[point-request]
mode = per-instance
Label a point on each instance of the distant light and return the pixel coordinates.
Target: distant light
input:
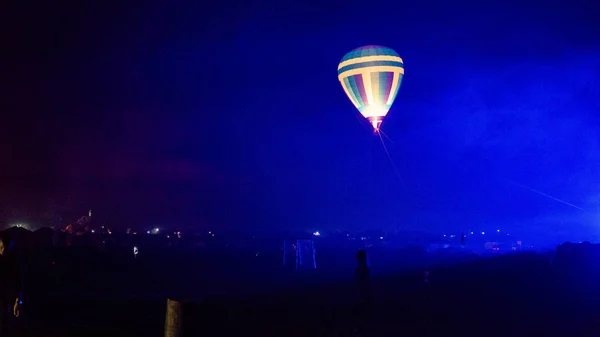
(147, 232)
(452, 235)
(381, 238)
(482, 233)
(155, 231)
(444, 235)
(317, 234)
(93, 231)
(135, 251)
(209, 232)
(213, 234)
(498, 230)
(471, 233)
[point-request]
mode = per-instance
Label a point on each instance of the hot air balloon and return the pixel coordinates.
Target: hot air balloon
(371, 77)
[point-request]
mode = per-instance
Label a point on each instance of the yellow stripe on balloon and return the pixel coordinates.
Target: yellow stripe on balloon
(394, 87)
(389, 69)
(374, 77)
(369, 59)
(366, 77)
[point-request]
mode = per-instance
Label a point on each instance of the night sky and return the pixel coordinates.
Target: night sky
(231, 115)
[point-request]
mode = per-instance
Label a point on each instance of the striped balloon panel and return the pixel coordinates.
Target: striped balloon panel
(371, 77)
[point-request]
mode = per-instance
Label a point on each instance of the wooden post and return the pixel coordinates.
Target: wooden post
(174, 318)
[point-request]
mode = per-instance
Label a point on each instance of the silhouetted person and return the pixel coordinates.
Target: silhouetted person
(362, 277)
(9, 286)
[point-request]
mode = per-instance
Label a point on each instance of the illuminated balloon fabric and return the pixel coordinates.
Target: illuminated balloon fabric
(371, 77)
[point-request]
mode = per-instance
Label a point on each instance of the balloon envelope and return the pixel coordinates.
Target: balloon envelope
(371, 77)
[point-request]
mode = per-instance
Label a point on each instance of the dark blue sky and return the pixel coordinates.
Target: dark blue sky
(232, 115)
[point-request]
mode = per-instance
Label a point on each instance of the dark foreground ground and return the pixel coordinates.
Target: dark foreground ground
(506, 296)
